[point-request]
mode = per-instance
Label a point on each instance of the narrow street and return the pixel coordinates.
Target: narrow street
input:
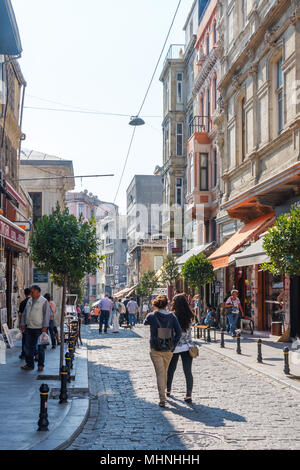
(233, 407)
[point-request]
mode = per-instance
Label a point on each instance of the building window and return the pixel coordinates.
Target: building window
(167, 95)
(179, 88)
(215, 32)
(179, 194)
(167, 191)
(207, 230)
(207, 43)
(158, 262)
(208, 109)
(215, 92)
(243, 12)
(87, 212)
(214, 229)
(179, 138)
(215, 165)
(37, 199)
(204, 171)
(192, 172)
(80, 210)
(243, 124)
(279, 93)
(167, 142)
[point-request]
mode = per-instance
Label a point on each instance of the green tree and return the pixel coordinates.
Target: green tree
(169, 271)
(149, 282)
(66, 248)
(198, 271)
(282, 245)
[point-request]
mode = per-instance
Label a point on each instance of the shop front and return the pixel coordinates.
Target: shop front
(236, 270)
(13, 247)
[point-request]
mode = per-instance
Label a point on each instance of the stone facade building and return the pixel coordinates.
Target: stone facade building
(15, 204)
(259, 142)
(177, 77)
(42, 176)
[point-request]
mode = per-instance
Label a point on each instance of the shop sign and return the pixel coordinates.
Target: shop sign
(12, 232)
(40, 278)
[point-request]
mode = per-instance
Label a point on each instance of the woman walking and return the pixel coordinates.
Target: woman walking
(165, 333)
(181, 309)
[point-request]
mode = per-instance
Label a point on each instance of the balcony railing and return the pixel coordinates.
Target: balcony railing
(200, 124)
(176, 51)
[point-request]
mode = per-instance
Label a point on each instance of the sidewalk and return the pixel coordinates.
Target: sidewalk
(272, 353)
(20, 403)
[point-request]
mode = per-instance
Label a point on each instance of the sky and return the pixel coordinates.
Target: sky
(97, 55)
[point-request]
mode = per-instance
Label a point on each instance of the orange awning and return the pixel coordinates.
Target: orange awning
(220, 258)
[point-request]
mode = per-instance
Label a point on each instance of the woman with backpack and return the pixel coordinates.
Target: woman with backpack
(181, 309)
(165, 332)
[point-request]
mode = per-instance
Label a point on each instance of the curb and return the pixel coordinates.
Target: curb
(249, 367)
(79, 409)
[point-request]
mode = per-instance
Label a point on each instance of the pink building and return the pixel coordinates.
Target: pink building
(203, 156)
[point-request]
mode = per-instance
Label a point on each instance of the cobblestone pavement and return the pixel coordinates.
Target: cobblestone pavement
(233, 408)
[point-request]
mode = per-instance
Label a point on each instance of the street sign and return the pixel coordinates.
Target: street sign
(40, 278)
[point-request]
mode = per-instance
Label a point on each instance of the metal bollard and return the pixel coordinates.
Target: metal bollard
(70, 351)
(208, 336)
(286, 352)
(222, 338)
(43, 421)
(238, 342)
(259, 354)
(63, 397)
(68, 365)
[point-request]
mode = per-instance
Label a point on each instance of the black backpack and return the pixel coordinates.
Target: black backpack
(164, 341)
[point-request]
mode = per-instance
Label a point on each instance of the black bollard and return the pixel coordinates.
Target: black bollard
(43, 421)
(238, 343)
(63, 397)
(70, 351)
(68, 365)
(222, 338)
(259, 354)
(208, 335)
(286, 352)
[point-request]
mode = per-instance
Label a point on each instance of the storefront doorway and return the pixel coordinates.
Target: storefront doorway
(269, 309)
(295, 307)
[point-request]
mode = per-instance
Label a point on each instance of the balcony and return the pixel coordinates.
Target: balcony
(176, 51)
(199, 129)
(200, 125)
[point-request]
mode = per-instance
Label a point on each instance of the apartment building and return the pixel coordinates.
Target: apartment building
(259, 143)
(177, 77)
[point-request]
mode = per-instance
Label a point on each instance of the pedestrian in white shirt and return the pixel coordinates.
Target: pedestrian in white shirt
(132, 308)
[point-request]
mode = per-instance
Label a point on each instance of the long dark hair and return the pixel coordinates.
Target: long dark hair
(182, 311)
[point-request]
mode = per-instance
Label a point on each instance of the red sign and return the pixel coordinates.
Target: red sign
(12, 232)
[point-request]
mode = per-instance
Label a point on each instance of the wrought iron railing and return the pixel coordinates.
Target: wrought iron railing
(200, 124)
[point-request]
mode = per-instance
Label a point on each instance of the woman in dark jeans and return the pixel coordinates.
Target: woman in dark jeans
(181, 309)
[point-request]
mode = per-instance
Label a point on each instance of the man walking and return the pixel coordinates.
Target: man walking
(133, 309)
(21, 311)
(106, 307)
(35, 321)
